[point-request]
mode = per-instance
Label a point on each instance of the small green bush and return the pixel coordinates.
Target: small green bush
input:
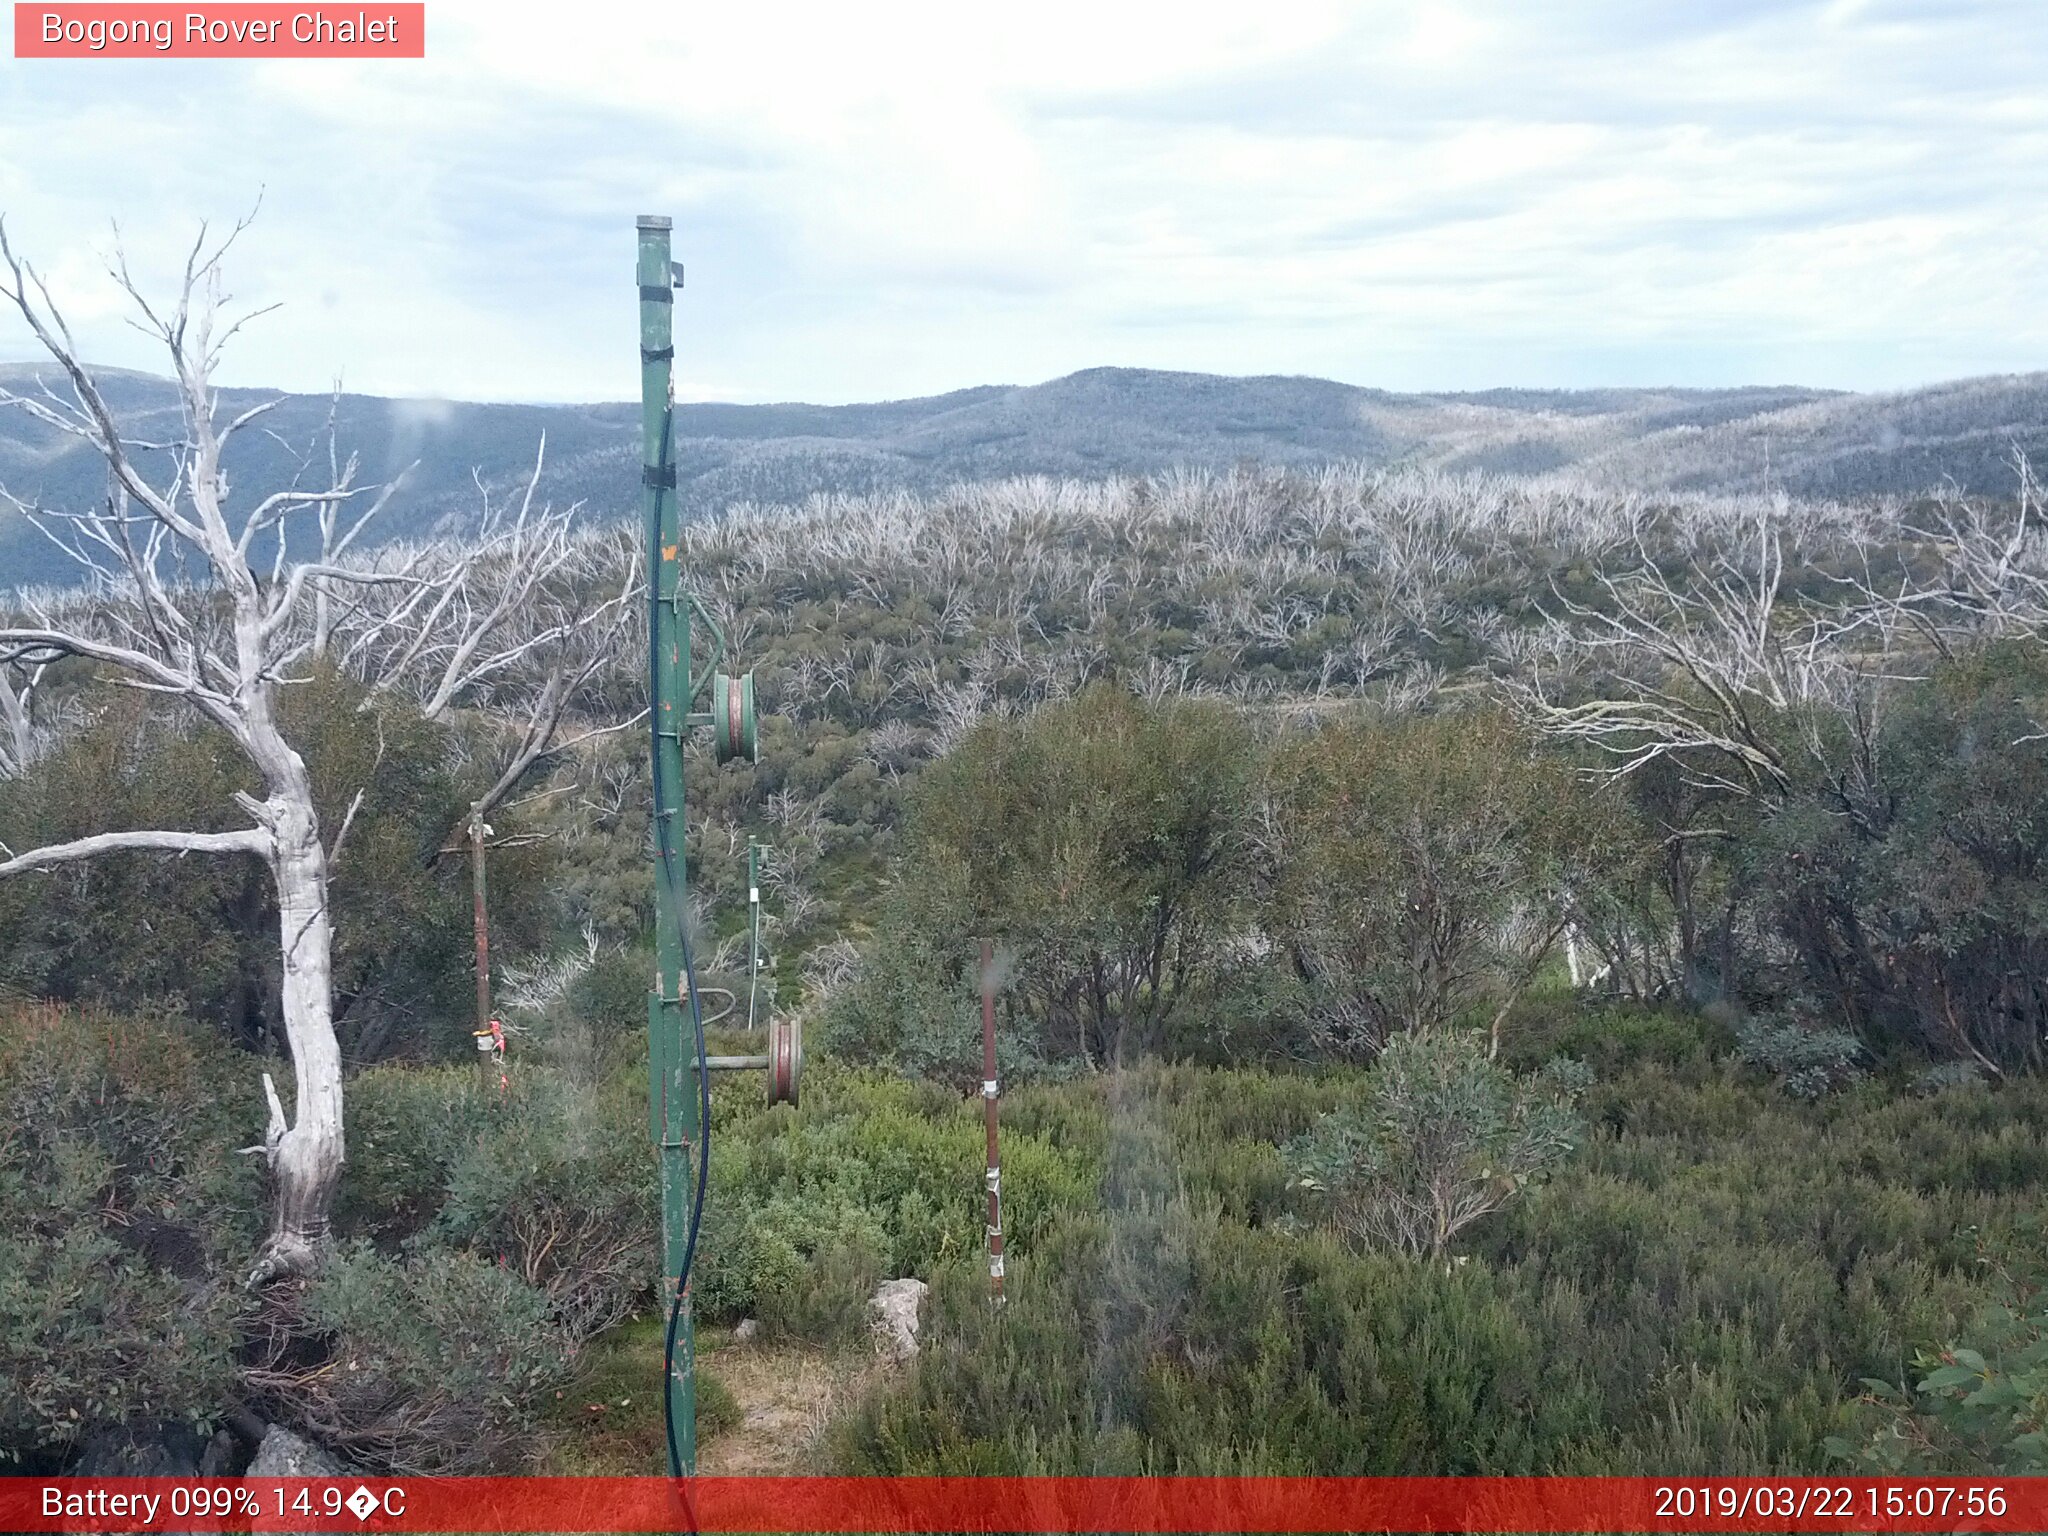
(559, 1184)
(1442, 1137)
(1609, 1036)
(553, 1178)
(437, 1364)
(407, 1128)
(1942, 1076)
(1698, 1289)
(125, 1223)
(872, 1178)
(1808, 1062)
(611, 996)
(1980, 1405)
(717, 1409)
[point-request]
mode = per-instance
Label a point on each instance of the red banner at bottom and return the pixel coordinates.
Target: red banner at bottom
(1022, 1504)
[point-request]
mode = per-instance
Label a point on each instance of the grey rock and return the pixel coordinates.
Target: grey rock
(895, 1307)
(284, 1454)
(746, 1330)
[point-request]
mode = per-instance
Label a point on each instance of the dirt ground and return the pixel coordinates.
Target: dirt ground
(788, 1398)
(610, 1422)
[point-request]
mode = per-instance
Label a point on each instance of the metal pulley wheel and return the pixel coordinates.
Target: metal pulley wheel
(735, 732)
(785, 1059)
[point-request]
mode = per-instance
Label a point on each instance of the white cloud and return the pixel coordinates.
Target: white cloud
(877, 201)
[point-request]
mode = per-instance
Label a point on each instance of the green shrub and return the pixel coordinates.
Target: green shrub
(826, 1302)
(1906, 879)
(1608, 1035)
(913, 1007)
(125, 1223)
(872, 1178)
(1442, 1137)
(1425, 866)
(610, 997)
(1697, 1290)
(1103, 838)
(408, 1126)
(717, 1409)
(558, 1183)
(1980, 1405)
(554, 1178)
(439, 1363)
(1167, 1341)
(1808, 1062)
(1941, 1076)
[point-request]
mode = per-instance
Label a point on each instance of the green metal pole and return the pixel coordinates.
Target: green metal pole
(671, 1044)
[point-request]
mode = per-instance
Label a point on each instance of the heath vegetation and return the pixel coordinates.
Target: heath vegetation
(1496, 975)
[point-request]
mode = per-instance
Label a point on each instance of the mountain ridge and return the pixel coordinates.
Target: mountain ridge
(1095, 423)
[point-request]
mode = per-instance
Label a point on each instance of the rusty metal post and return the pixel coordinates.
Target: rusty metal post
(483, 948)
(989, 1091)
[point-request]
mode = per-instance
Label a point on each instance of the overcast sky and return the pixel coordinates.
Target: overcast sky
(883, 200)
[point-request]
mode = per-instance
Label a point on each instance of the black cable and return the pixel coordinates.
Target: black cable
(674, 889)
(675, 1306)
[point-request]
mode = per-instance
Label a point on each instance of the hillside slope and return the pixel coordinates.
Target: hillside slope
(1098, 423)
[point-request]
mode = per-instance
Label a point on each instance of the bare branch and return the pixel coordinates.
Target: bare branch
(341, 838)
(252, 840)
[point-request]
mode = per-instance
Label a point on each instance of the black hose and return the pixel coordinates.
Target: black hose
(675, 1305)
(674, 889)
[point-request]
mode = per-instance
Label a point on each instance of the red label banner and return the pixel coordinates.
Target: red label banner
(1021, 1504)
(234, 31)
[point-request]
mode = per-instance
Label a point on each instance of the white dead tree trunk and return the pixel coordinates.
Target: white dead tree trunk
(18, 735)
(222, 645)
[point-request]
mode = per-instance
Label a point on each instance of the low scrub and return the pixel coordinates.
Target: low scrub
(124, 1221)
(871, 1178)
(437, 1364)
(1978, 1404)
(1702, 1286)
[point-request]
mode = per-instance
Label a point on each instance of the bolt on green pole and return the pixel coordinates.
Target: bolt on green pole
(672, 1058)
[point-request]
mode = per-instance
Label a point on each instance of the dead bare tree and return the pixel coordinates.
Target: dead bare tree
(1708, 669)
(221, 646)
(1994, 571)
(524, 615)
(182, 607)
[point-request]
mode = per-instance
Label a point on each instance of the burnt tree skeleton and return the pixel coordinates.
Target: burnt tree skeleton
(225, 642)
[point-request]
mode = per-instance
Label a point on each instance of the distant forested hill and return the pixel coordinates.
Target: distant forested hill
(1101, 422)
